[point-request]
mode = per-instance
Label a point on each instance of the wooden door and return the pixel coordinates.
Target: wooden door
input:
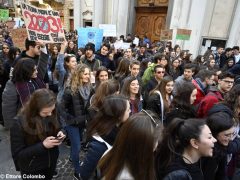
(150, 20)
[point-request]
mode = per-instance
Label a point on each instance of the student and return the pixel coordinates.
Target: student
(132, 155)
(187, 76)
(36, 135)
(103, 131)
(160, 98)
(105, 89)
(183, 143)
(182, 103)
(222, 128)
(101, 76)
(131, 90)
(216, 94)
(75, 104)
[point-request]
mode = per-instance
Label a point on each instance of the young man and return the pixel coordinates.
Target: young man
(216, 94)
(159, 72)
(187, 76)
(204, 79)
(159, 59)
(89, 58)
(103, 57)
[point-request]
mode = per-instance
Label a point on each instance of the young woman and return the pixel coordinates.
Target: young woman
(132, 155)
(183, 143)
(75, 104)
(27, 78)
(131, 90)
(101, 75)
(71, 49)
(35, 137)
(222, 127)
(123, 70)
(105, 89)
(65, 66)
(229, 64)
(53, 82)
(182, 103)
(174, 69)
(160, 98)
(103, 131)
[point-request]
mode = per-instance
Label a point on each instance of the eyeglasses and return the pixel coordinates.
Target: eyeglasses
(229, 82)
(153, 121)
(160, 72)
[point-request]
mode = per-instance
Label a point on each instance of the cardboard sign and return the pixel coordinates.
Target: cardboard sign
(166, 35)
(121, 45)
(18, 37)
(4, 14)
(109, 30)
(42, 24)
(93, 35)
(183, 34)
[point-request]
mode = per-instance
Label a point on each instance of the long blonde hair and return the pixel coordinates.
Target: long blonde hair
(76, 78)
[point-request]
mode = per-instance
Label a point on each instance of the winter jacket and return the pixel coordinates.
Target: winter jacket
(213, 97)
(106, 62)
(30, 157)
(93, 64)
(10, 98)
(75, 112)
(179, 169)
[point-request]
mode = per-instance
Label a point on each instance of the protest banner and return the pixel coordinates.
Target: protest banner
(18, 37)
(183, 34)
(109, 30)
(42, 24)
(4, 14)
(166, 35)
(93, 35)
(121, 45)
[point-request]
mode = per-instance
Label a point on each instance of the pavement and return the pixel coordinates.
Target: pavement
(7, 168)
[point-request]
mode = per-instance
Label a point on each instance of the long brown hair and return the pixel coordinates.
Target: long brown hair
(33, 123)
(106, 88)
(162, 88)
(109, 115)
(133, 148)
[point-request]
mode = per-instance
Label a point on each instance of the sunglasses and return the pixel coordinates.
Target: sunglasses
(152, 119)
(160, 72)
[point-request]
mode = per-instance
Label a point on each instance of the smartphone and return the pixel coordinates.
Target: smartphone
(58, 138)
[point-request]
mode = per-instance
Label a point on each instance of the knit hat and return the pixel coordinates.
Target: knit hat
(90, 46)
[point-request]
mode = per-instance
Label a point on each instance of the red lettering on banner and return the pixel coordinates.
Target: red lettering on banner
(60, 24)
(42, 24)
(53, 25)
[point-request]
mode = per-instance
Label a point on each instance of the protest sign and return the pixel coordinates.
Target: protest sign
(42, 24)
(183, 34)
(121, 45)
(109, 30)
(93, 35)
(166, 35)
(4, 14)
(18, 37)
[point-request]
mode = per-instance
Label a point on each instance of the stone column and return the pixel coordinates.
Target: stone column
(98, 13)
(234, 36)
(77, 13)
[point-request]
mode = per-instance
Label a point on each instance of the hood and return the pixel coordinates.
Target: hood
(220, 108)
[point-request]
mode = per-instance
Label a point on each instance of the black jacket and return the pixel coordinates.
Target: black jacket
(30, 157)
(178, 112)
(180, 170)
(75, 111)
(154, 104)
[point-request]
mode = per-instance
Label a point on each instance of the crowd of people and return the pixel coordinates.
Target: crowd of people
(149, 111)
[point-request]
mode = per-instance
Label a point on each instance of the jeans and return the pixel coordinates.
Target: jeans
(94, 153)
(74, 134)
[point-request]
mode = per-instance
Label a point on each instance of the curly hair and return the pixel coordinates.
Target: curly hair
(76, 78)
